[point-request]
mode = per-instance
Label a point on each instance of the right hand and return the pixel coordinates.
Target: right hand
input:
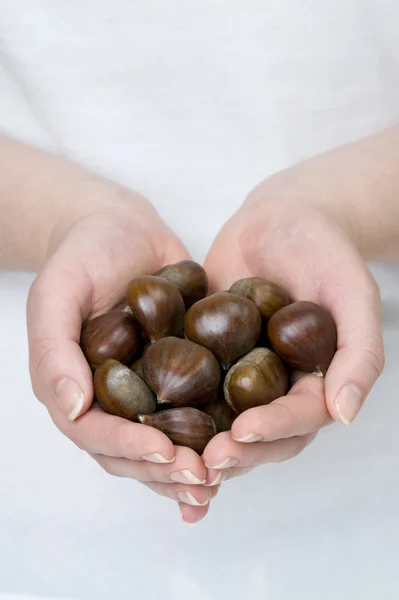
(86, 274)
(281, 236)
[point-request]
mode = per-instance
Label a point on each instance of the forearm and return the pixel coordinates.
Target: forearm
(41, 197)
(359, 185)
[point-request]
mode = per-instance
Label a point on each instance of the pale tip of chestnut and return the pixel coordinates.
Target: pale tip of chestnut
(318, 373)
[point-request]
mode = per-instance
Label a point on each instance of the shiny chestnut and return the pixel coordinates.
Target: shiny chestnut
(267, 296)
(189, 278)
(157, 305)
(227, 324)
(183, 426)
(180, 372)
(256, 379)
(115, 334)
(304, 335)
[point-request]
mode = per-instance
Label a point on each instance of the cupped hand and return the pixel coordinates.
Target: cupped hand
(90, 263)
(302, 247)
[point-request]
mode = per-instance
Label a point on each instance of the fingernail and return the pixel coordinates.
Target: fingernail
(157, 458)
(70, 398)
(221, 476)
(185, 476)
(250, 438)
(188, 498)
(229, 462)
(348, 403)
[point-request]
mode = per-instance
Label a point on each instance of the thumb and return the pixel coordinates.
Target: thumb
(80, 273)
(353, 298)
(58, 303)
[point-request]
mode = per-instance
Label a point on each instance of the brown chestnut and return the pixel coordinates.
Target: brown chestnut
(115, 334)
(222, 414)
(267, 296)
(256, 379)
(180, 372)
(137, 367)
(157, 305)
(189, 278)
(119, 391)
(227, 324)
(183, 426)
(304, 335)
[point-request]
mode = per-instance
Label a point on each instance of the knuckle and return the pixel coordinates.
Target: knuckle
(121, 437)
(41, 352)
(375, 354)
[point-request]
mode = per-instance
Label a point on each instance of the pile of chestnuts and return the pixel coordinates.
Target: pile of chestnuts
(188, 362)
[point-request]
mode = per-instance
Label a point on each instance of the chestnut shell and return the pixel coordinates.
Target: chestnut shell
(189, 278)
(221, 412)
(304, 335)
(256, 379)
(181, 372)
(157, 305)
(183, 426)
(267, 296)
(119, 391)
(137, 367)
(227, 324)
(115, 334)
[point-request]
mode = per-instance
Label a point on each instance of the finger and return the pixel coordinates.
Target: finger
(216, 477)
(187, 468)
(192, 514)
(197, 496)
(223, 452)
(301, 411)
(83, 278)
(100, 433)
(353, 298)
(59, 372)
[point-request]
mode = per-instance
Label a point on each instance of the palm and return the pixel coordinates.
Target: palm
(301, 249)
(87, 274)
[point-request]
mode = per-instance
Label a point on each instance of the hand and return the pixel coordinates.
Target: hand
(280, 236)
(90, 263)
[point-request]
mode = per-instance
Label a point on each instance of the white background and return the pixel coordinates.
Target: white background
(192, 104)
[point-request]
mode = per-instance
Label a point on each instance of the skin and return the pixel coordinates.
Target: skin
(86, 245)
(316, 223)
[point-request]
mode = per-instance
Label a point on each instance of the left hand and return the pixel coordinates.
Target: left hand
(280, 236)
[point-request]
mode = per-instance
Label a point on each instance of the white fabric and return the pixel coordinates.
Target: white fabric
(192, 104)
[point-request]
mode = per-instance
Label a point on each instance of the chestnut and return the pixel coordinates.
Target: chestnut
(119, 391)
(180, 372)
(256, 379)
(304, 335)
(157, 305)
(183, 426)
(189, 278)
(115, 334)
(227, 324)
(137, 367)
(221, 412)
(267, 296)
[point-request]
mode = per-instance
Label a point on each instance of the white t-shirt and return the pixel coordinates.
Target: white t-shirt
(192, 104)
